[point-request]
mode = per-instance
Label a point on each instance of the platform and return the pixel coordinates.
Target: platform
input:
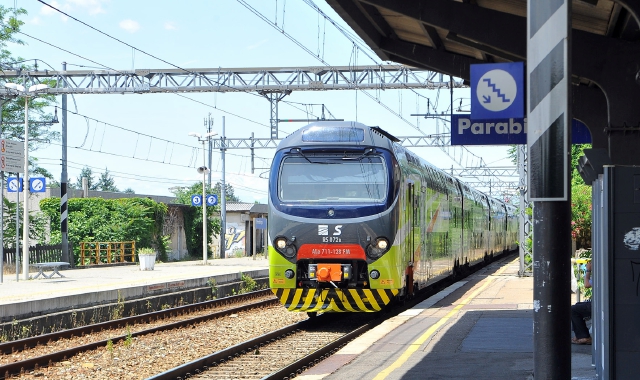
(101, 284)
(478, 328)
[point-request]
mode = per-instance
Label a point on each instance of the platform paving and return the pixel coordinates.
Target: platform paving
(478, 328)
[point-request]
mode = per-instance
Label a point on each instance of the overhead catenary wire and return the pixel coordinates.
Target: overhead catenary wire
(183, 69)
(107, 67)
(141, 51)
(183, 96)
(303, 47)
(155, 179)
(357, 43)
(67, 51)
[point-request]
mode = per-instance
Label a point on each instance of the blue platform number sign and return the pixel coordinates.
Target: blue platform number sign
(37, 185)
(196, 200)
(13, 185)
(497, 91)
(261, 223)
(212, 199)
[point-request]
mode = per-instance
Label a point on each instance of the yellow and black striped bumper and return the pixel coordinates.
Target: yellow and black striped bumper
(338, 300)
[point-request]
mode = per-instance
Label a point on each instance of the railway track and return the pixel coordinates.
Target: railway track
(47, 359)
(280, 354)
(286, 353)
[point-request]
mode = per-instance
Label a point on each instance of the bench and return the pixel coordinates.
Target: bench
(54, 267)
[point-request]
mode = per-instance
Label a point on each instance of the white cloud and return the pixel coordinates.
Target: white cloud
(35, 21)
(93, 6)
(170, 25)
(129, 25)
(251, 47)
(47, 11)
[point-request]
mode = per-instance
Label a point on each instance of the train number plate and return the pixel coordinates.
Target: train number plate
(335, 251)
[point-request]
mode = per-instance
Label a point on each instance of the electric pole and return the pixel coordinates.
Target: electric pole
(208, 122)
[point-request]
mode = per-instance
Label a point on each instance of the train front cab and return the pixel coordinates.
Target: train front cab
(331, 250)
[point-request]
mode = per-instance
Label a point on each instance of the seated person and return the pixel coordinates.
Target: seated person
(579, 312)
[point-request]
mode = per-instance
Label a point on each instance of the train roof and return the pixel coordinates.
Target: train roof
(348, 133)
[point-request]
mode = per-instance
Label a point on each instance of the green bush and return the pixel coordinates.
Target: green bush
(104, 220)
(193, 218)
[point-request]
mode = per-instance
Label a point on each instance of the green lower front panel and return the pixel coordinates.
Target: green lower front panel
(335, 300)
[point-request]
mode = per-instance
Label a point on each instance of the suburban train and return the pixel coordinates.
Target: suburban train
(356, 221)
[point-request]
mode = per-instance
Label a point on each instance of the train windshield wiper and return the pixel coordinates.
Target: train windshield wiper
(360, 157)
(299, 151)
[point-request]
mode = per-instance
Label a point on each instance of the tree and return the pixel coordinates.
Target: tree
(580, 201)
(193, 218)
(106, 182)
(86, 172)
(580, 197)
(228, 192)
(37, 224)
(40, 132)
(129, 190)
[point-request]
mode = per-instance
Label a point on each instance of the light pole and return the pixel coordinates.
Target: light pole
(204, 170)
(25, 220)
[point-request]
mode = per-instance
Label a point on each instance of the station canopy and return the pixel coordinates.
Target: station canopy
(447, 36)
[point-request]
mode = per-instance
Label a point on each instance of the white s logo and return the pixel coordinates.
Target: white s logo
(338, 231)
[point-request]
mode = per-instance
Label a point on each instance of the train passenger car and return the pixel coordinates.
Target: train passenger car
(356, 220)
(512, 228)
(497, 227)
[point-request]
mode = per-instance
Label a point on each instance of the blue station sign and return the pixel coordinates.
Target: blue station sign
(261, 223)
(466, 131)
(497, 91)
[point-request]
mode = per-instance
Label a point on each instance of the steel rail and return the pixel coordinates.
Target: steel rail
(19, 345)
(45, 360)
(297, 367)
(201, 365)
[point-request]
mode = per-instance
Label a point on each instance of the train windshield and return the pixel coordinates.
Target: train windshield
(333, 179)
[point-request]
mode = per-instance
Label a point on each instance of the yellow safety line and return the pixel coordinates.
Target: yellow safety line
(413, 347)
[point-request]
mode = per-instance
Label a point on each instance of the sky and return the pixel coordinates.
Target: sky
(129, 134)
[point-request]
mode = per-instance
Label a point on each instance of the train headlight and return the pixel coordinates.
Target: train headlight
(378, 248)
(287, 248)
(281, 243)
(374, 274)
(289, 274)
